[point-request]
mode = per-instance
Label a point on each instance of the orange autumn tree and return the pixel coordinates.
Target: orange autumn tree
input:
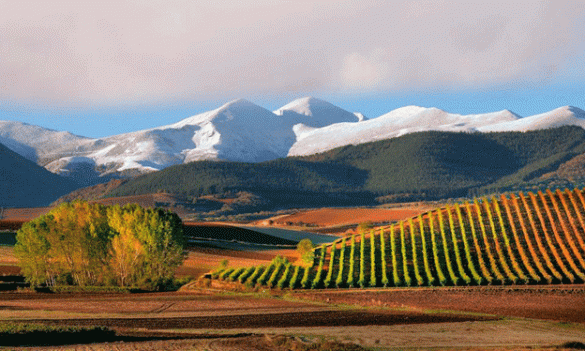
(90, 244)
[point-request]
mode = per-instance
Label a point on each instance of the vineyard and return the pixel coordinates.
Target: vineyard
(515, 239)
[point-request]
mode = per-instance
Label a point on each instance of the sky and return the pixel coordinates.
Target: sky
(99, 68)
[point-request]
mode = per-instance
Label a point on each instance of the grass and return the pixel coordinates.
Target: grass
(33, 334)
(7, 239)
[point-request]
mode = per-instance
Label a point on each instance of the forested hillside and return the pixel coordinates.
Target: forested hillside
(425, 165)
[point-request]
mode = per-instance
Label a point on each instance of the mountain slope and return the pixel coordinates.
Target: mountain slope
(244, 132)
(399, 122)
(428, 164)
(562, 116)
(36, 143)
(237, 131)
(25, 184)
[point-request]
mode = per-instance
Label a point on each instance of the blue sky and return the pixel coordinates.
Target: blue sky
(110, 67)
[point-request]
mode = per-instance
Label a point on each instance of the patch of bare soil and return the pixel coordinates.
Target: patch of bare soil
(337, 220)
(394, 318)
(210, 342)
(558, 303)
(24, 214)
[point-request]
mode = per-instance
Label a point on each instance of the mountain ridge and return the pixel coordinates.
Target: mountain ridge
(245, 132)
(23, 183)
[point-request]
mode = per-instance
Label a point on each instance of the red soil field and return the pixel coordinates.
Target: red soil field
(558, 303)
(24, 214)
(324, 217)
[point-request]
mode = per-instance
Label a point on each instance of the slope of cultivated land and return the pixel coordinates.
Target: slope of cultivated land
(341, 220)
(515, 239)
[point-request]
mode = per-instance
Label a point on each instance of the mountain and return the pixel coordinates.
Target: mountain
(241, 131)
(562, 116)
(424, 165)
(38, 144)
(237, 131)
(25, 184)
(315, 113)
(398, 122)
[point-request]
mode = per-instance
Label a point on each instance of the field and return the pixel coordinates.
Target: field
(342, 221)
(403, 319)
(228, 316)
(507, 240)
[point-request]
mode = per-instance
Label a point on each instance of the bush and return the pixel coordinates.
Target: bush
(30, 334)
(305, 249)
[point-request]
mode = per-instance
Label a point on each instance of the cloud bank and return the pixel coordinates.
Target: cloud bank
(135, 52)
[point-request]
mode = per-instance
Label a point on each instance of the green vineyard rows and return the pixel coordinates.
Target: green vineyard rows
(512, 239)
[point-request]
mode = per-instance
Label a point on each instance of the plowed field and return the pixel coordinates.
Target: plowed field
(326, 217)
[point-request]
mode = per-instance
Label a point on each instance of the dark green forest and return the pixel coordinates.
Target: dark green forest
(419, 166)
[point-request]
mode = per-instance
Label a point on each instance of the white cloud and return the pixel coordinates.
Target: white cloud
(364, 73)
(110, 52)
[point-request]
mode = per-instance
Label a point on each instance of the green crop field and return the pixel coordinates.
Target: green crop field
(512, 239)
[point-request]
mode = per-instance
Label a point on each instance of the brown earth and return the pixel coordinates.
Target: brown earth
(23, 214)
(559, 303)
(335, 220)
(392, 318)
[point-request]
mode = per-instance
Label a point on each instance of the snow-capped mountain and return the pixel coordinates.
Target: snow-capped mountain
(36, 143)
(398, 122)
(243, 131)
(562, 116)
(236, 131)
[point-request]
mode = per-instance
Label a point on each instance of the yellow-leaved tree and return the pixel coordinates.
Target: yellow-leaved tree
(90, 244)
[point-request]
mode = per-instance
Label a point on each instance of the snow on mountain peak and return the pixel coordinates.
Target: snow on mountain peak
(577, 112)
(360, 116)
(305, 106)
(243, 131)
(315, 113)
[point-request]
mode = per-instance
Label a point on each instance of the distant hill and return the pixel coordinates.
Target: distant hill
(427, 165)
(25, 184)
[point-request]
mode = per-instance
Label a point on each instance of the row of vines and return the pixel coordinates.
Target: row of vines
(516, 239)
